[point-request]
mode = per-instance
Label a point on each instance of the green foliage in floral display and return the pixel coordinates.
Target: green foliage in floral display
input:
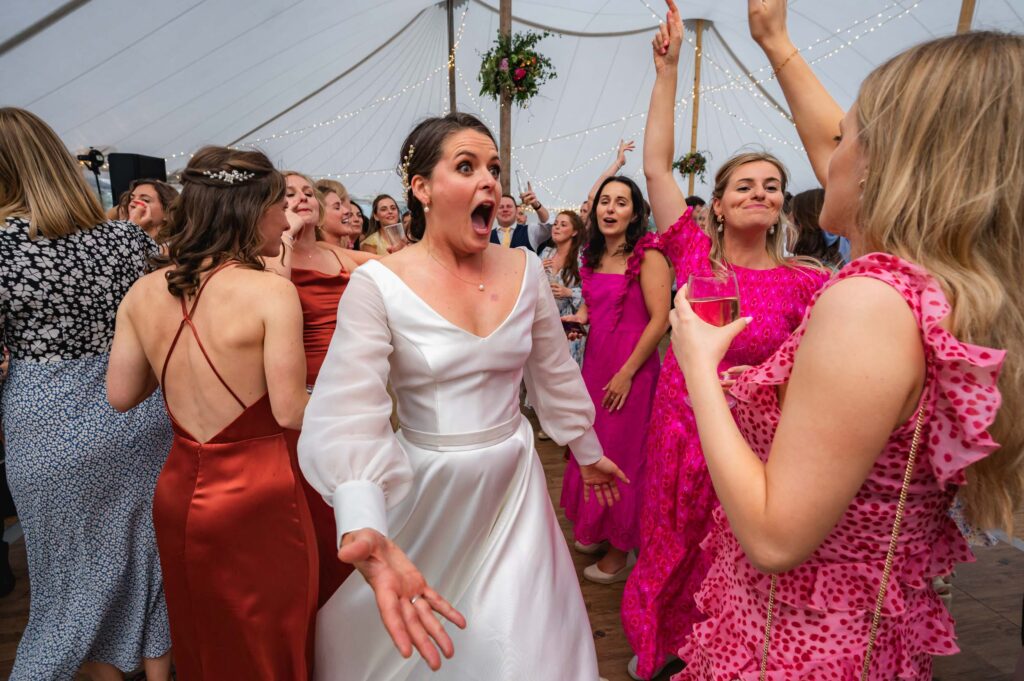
(513, 62)
(694, 163)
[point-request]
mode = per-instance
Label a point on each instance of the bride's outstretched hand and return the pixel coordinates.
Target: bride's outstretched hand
(667, 41)
(767, 20)
(406, 602)
(602, 478)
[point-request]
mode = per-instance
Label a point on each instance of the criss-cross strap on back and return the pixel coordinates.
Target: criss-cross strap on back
(186, 319)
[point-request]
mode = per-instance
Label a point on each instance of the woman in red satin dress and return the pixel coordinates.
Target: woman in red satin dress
(320, 272)
(233, 528)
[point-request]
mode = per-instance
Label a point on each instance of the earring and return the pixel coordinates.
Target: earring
(721, 223)
(771, 230)
(426, 209)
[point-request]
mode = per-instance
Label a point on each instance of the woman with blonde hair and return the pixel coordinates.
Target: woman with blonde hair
(835, 477)
(743, 234)
(81, 474)
(320, 272)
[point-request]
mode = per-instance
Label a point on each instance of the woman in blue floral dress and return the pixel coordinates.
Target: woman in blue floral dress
(561, 262)
(81, 474)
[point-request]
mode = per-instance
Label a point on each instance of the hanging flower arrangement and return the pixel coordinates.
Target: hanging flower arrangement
(695, 163)
(513, 62)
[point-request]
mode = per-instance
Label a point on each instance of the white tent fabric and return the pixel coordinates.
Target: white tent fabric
(331, 87)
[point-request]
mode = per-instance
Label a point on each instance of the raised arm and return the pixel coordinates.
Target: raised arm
(815, 113)
(614, 168)
(667, 200)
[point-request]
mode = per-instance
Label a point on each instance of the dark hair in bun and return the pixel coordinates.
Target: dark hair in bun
(426, 141)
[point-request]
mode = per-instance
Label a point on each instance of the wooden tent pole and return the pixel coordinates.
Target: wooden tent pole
(696, 93)
(451, 56)
(966, 16)
(505, 109)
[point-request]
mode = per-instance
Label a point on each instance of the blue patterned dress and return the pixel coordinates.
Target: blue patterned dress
(82, 475)
(567, 306)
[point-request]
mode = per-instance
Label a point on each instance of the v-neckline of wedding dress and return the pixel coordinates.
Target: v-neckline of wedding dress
(499, 327)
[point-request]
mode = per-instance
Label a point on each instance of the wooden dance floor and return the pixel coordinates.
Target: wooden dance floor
(986, 605)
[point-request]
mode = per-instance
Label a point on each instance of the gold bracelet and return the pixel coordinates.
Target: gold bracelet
(775, 73)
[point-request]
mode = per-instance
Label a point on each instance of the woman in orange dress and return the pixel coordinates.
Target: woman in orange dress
(234, 533)
(320, 272)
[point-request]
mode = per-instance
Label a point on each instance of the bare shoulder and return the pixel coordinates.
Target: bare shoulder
(344, 255)
(863, 315)
(146, 289)
(859, 298)
(655, 263)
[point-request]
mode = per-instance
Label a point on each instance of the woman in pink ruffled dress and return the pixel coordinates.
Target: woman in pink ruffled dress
(627, 290)
(904, 381)
(743, 233)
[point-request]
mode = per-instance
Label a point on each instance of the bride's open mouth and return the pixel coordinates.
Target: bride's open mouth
(482, 217)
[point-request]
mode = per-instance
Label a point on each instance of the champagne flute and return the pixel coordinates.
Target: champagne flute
(394, 236)
(715, 298)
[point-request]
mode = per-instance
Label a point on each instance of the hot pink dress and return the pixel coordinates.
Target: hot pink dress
(824, 606)
(618, 317)
(658, 609)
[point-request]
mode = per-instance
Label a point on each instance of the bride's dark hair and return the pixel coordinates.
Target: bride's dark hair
(425, 142)
(217, 215)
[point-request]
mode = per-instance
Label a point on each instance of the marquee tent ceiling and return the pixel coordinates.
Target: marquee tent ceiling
(331, 87)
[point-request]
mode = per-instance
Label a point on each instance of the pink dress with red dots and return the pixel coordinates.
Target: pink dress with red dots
(824, 606)
(658, 609)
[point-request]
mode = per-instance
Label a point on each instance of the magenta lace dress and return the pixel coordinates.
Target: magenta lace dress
(618, 317)
(658, 609)
(824, 606)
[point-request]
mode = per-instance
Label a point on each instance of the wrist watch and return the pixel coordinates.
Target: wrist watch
(536, 206)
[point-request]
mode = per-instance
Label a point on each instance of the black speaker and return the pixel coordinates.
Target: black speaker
(127, 167)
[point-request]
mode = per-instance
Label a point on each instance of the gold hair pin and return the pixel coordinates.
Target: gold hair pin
(406, 160)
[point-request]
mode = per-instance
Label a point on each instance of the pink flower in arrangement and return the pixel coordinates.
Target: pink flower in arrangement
(504, 64)
(519, 74)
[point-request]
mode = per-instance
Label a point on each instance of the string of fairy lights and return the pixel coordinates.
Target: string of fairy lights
(347, 115)
(748, 83)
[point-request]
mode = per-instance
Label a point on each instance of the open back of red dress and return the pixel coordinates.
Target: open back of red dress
(236, 545)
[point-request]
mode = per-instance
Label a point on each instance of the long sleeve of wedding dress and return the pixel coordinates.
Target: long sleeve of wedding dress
(347, 450)
(554, 383)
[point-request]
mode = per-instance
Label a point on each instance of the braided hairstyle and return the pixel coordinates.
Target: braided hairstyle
(426, 142)
(216, 219)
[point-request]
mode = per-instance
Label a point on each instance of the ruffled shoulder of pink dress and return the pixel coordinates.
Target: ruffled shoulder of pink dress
(825, 604)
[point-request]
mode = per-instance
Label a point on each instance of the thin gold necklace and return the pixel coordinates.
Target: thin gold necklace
(479, 287)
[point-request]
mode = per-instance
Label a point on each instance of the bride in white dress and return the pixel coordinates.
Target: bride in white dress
(457, 498)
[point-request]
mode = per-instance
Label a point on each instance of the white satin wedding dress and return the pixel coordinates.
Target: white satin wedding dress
(459, 488)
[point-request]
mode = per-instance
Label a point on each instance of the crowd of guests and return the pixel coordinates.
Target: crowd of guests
(222, 402)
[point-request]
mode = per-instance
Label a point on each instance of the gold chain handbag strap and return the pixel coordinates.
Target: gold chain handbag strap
(886, 571)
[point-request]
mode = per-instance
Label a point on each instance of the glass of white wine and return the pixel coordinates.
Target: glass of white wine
(715, 298)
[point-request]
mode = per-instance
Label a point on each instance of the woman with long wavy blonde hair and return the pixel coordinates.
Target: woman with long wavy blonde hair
(835, 478)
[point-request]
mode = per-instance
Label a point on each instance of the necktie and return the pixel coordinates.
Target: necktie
(506, 236)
